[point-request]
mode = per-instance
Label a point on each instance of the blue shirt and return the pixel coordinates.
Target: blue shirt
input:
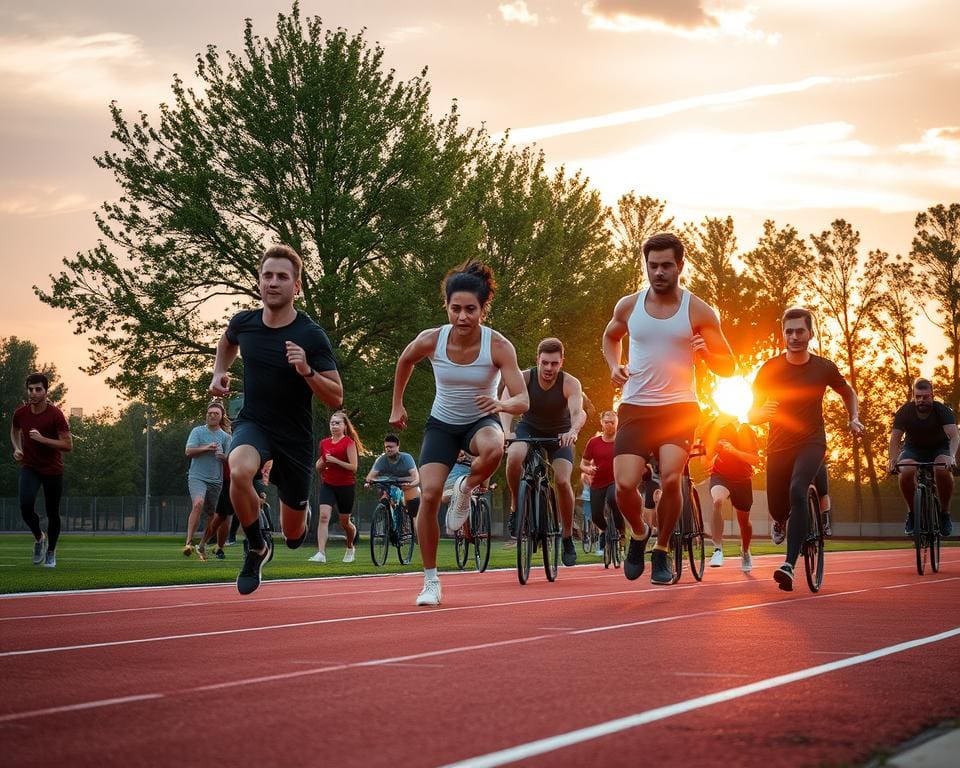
(206, 466)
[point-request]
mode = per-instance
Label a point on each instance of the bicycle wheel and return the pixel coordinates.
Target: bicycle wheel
(461, 547)
(525, 531)
(694, 525)
(611, 546)
(480, 525)
(813, 545)
(379, 530)
(404, 535)
(920, 528)
(935, 534)
(549, 532)
(586, 540)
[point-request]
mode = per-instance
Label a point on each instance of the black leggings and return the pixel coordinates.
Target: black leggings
(605, 496)
(789, 474)
(29, 486)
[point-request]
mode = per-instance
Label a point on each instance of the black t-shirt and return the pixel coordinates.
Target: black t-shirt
(799, 390)
(275, 396)
(924, 433)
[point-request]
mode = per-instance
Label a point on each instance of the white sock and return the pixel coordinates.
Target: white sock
(430, 574)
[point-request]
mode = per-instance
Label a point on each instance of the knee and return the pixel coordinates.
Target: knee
(564, 485)
(430, 497)
(670, 484)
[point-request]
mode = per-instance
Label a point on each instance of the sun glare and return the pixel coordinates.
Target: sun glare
(734, 396)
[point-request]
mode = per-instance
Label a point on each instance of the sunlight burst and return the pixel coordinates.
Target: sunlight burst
(734, 396)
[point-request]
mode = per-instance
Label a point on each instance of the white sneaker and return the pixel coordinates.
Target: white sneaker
(599, 551)
(458, 510)
(50, 560)
(350, 555)
(746, 561)
(320, 557)
(717, 560)
(430, 594)
(40, 549)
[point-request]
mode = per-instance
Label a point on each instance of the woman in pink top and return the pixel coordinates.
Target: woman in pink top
(337, 467)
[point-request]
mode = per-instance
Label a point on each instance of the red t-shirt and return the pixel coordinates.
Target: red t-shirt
(600, 453)
(730, 467)
(334, 474)
(50, 423)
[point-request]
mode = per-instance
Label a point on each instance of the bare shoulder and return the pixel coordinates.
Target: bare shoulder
(500, 345)
(426, 340)
(701, 313)
(571, 384)
(625, 306)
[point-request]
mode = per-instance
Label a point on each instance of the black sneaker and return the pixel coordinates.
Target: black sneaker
(250, 574)
(634, 562)
(827, 529)
(908, 524)
(946, 525)
(295, 543)
(219, 554)
(784, 577)
(569, 552)
(512, 525)
(661, 568)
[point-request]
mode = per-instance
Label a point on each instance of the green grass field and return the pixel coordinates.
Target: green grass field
(92, 562)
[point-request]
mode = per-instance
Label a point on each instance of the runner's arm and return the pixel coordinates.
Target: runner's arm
(15, 439)
(853, 407)
(893, 451)
(506, 419)
(227, 352)
(709, 341)
(613, 339)
(417, 350)
(505, 358)
(954, 435)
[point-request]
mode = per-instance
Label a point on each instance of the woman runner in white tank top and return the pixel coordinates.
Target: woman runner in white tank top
(468, 361)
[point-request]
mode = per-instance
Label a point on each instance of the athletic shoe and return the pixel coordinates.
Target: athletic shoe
(187, 550)
(827, 528)
(218, 553)
(746, 561)
(512, 525)
(778, 532)
(717, 560)
(39, 549)
(908, 524)
(599, 550)
(231, 540)
(784, 577)
(202, 552)
(295, 543)
(946, 525)
(569, 556)
(431, 592)
(458, 510)
(50, 560)
(252, 571)
(633, 563)
(350, 555)
(320, 557)
(661, 568)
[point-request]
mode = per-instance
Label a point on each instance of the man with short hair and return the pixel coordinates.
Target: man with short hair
(207, 447)
(394, 464)
(928, 431)
(669, 328)
(556, 410)
(39, 434)
(287, 360)
(788, 392)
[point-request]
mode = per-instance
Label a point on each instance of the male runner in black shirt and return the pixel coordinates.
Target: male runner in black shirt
(930, 428)
(788, 392)
(287, 359)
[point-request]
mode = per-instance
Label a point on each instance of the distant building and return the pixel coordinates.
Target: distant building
(76, 413)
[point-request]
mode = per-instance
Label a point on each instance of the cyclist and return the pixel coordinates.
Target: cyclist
(788, 392)
(468, 361)
(669, 328)
(394, 464)
(597, 465)
(556, 408)
(928, 429)
(731, 452)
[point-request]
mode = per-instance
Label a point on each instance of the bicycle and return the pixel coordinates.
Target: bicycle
(391, 524)
(926, 515)
(590, 535)
(475, 531)
(537, 525)
(612, 546)
(688, 533)
(812, 548)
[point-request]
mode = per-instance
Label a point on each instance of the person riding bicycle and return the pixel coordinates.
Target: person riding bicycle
(788, 392)
(928, 431)
(596, 465)
(669, 328)
(556, 408)
(394, 464)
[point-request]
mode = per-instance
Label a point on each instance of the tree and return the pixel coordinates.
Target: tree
(637, 218)
(779, 265)
(18, 359)
(849, 290)
(936, 251)
(304, 139)
(103, 461)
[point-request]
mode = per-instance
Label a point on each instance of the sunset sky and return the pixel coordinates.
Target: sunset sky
(797, 110)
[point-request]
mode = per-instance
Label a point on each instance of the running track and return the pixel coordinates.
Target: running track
(590, 670)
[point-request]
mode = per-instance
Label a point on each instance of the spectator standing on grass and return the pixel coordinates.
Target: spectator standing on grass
(207, 448)
(40, 434)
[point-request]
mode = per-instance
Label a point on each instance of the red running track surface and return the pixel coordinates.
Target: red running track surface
(349, 672)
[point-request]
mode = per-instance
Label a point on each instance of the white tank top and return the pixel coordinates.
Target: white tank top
(660, 361)
(458, 385)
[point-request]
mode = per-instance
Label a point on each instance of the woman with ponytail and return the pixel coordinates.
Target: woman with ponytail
(337, 467)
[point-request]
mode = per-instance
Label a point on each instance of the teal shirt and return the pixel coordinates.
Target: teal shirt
(207, 466)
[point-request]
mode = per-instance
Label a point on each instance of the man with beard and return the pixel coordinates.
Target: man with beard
(788, 393)
(669, 329)
(928, 429)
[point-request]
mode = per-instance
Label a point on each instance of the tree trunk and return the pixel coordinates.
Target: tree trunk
(874, 480)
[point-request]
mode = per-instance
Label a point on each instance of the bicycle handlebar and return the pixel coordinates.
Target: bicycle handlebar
(532, 440)
(921, 465)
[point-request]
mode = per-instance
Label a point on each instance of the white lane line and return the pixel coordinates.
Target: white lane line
(75, 707)
(581, 735)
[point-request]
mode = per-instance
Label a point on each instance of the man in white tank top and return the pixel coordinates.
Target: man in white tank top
(669, 329)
